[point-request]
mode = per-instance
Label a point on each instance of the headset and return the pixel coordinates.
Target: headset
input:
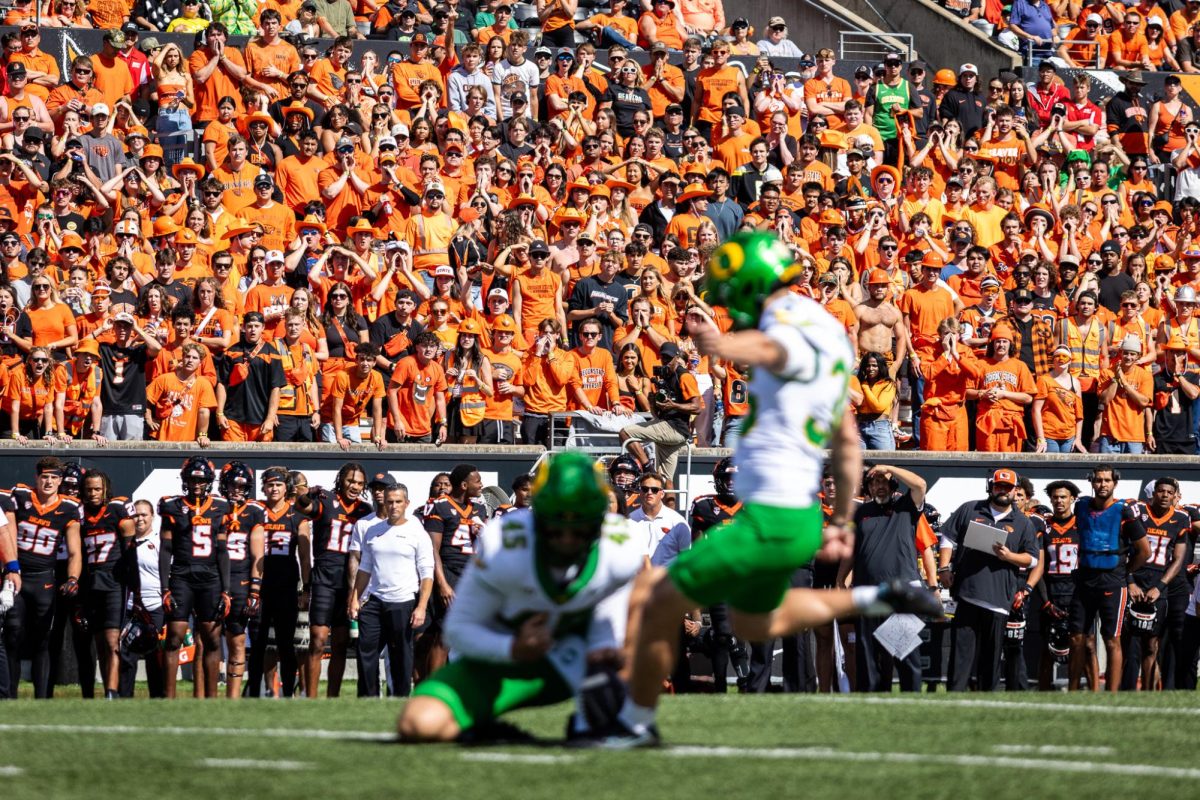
(1091, 476)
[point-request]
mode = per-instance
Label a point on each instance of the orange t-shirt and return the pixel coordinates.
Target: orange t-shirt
(597, 377)
(179, 422)
(280, 55)
(546, 379)
(218, 85)
(926, 308)
(537, 297)
(506, 368)
(114, 80)
(1061, 408)
(1122, 420)
(49, 324)
(416, 387)
(356, 394)
(33, 399)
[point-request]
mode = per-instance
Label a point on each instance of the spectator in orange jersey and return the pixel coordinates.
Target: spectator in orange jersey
(546, 373)
(78, 405)
(1003, 388)
(32, 388)
(1125, 395)
(593, 385)
(498, 423)
(417, 394)
(353, 392)
(178, 403)
(947, 378)
(1058, 408)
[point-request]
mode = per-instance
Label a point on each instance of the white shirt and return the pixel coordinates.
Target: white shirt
(649, 531)
(357, 534)
(398, 557)
(147, 556)
(512, 78)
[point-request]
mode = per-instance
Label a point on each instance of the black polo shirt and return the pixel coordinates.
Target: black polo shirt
(980, 578)
(885, 545)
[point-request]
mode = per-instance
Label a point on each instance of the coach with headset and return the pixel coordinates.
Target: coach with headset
(984, 584)
(885, 548)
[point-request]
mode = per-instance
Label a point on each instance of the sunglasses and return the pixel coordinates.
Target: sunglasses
(339, 296)
(41, 287)
(44, 361)
(651, 489)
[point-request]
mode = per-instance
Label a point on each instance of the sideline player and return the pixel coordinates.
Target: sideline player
(245, 542)
(43, 517)
(1112, 543)
(801, 360)
(545, 596)
(287, 533)
(1167, 527)
(107, 531)
(333, 516)
(195, 558)
(1060, 554)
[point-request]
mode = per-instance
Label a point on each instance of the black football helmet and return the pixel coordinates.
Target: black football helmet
(723, 476)
(1014, 628)
(623, 472)
(72, 480)
(1143, 618)
(237, 477)
(933, 517)
(1058, 642)
(138, 634)
(198, 475)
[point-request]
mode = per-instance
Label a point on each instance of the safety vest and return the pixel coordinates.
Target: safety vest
(300, 375)
(1099, 535)
(1085, 348)
(1190, 333)
(472, 404)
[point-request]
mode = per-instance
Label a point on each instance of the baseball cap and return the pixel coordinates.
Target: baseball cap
(1096, 18)
(971, 68)
(115, 37)
(498, 292)
(989, 283)
(1110, 246)
(543, 51)
(1131, 343)
(274, 256)
(263, 179)
(100, 110)
(1004, 475)
(16, 70)
(828, 278)
(862, 72)
(538, 246)
(659, 46)
(443, 271)
(381, 480)
(1022, 296)
(668, 351)
(773, 21)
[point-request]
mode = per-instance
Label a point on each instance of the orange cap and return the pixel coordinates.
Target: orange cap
(70, 239)
(1004, 476)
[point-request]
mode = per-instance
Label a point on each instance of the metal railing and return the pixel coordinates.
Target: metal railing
(868, 46)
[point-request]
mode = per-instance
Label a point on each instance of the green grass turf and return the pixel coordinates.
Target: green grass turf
(154, 763)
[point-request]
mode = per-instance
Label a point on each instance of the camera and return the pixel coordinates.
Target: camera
(665, 384)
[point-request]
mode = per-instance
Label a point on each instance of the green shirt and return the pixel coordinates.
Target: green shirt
(885, 99)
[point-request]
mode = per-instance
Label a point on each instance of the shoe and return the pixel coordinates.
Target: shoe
(905, 598)
(620, 736)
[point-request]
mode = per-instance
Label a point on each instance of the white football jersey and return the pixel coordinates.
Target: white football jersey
(781, 445)
(503, 586)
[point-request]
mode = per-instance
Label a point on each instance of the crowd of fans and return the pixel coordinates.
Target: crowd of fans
(460, 241)
(1090, 34)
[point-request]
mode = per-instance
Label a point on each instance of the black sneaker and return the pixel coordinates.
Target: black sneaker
(906, 598)
(621, 737)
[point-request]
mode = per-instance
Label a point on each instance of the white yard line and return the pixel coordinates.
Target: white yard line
(518, 758)
(172, 730)
(829, 754)
(1005, 705)
(11, 772)
(251, 763)
(1052, 750)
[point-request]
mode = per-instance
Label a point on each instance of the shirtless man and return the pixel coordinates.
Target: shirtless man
(564, 251)
(880, 323)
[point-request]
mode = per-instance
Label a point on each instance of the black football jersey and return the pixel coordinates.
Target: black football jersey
(1061, 544)
(709, 512)
(194, 531)
(279, 548)
(332, 524)
(239, 522)
(41, 530)
(459, 526)
(101, 534)
(1163, 533)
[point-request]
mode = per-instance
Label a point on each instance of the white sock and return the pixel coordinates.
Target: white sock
(636, 716)
(866, 600)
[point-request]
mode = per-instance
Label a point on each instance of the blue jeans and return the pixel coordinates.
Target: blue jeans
(877, 435)
(351, 432)
(1060, 445)
(1107, 445)
(917, 382)
(175, 134)
(610, 36)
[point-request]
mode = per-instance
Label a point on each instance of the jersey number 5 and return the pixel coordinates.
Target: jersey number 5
(201, 541)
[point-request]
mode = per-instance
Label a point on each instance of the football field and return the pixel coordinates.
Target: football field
(985, 746)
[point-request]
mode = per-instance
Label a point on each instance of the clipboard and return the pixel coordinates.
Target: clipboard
(982, 537)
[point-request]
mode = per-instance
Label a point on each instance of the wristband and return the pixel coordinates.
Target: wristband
(255, 584)
(1027, 589)
(943, 570)
(1162, 587)
(13, 567)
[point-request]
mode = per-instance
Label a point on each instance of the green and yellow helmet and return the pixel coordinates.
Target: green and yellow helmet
(570, 490)
(744, 270)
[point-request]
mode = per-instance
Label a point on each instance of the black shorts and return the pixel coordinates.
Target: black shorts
(327, 606)
(239, 590)
(498, 431)
(439, 607)
(454, 425)
(1103, 595)
(105, 608)
(195, 596)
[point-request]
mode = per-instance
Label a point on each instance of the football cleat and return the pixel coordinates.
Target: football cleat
(906, 598)
(620, 736)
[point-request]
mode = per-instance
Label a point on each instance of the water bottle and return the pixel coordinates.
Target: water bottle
(218, 333)
(353, 630)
